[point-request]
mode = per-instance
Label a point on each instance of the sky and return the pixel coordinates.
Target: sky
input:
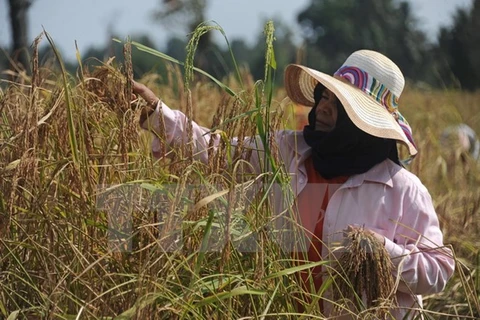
(87, 21)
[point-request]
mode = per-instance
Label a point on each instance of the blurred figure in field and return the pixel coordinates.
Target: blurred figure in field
(460, 142)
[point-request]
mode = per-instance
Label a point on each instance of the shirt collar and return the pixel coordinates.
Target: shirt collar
(380, 173)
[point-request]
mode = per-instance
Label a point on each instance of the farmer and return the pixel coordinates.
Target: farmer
(349, 148)
(461, 141)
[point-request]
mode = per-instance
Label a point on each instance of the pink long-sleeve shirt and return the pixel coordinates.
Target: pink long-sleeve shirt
(387, 199)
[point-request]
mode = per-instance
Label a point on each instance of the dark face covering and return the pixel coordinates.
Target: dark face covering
(346, 150)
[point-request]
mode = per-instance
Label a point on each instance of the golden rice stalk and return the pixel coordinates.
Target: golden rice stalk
(366, 274)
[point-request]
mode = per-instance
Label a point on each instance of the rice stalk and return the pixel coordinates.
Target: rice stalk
(56, 261)
(366, 277)
(69, 103)
(191, 49)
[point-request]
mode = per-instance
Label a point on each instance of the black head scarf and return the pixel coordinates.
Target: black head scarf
(346, 150)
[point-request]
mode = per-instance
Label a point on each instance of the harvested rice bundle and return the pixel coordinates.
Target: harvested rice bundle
(366, 274)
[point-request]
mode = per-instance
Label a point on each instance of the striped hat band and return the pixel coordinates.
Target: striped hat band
(375, 89)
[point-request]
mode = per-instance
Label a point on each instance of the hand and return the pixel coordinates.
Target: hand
(379, 237)
(350, 228)
(145, 93)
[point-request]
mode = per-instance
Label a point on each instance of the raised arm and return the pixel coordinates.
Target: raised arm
(169, 129)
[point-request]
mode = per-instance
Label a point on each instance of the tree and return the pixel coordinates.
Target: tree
(459, 49)
(187, 14)
(334, 29)
(216, 59)
(19, 26)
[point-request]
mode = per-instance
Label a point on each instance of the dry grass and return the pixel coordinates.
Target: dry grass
(71, 149)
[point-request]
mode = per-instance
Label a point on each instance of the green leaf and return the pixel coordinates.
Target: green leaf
(296, 269)
(164, 56)
(13, 315)
(229, 294)
(69, 102)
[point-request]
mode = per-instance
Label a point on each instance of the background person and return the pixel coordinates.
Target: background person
(462, 141)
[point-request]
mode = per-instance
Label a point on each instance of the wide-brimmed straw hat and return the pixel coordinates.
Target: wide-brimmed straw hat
(368, 85)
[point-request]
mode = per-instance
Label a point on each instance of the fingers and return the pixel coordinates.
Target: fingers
(347, 231)
(378, 236)
(138, 87)
(145, 92)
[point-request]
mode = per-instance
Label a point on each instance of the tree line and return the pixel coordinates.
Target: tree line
(331, 30)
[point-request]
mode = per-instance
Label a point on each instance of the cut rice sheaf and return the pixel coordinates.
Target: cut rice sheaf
(365, 278)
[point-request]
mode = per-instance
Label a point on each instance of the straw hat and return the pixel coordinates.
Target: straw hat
(368, 85)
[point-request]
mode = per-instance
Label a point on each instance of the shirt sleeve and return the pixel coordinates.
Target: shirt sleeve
(170, 130)
(423, 263)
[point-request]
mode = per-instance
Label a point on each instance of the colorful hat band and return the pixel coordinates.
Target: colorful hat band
(370, 86)
(375, 89)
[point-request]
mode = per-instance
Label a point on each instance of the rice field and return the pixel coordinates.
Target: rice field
(93, 227)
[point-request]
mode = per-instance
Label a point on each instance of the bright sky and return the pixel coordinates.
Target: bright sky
(87, 21)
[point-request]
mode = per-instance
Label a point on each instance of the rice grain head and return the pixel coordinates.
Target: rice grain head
(366, 280)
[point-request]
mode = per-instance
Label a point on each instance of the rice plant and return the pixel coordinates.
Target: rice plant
(93, 227)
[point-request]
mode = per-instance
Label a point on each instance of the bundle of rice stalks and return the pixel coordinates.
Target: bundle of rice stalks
(108, 85)
(366, 278)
